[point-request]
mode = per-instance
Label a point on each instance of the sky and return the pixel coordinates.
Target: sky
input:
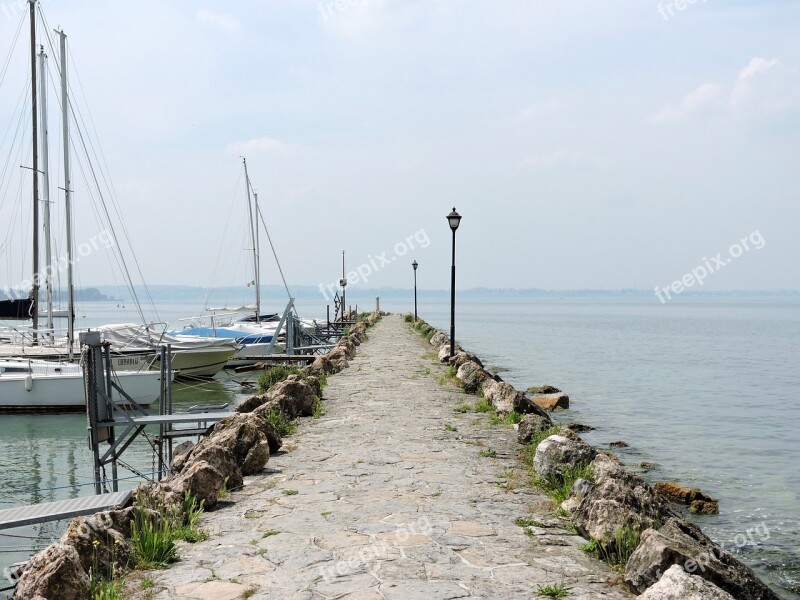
(586, 145)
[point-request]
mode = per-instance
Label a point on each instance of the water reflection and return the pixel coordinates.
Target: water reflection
(46, 457)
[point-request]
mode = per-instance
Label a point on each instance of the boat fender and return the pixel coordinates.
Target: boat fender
(28, 383)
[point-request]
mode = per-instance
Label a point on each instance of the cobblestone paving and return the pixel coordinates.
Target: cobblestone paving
(382, 498)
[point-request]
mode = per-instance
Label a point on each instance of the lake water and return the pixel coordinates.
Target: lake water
(705, 388)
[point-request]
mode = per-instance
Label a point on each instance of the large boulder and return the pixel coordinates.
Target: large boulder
(102, 541)
(531, 425)
(220, 457)
(697, 501)
(338, 358)
(558, 453)
(543, 389)
(617, 502)
(322, 365)
(202, 480)
(677, 584)
(180, 454)
(502, 396)
(297, 397)
(444, 353)
(252, 403)
(274, 439)
(462, 357)
(472, 376)
(237, 446)
(683, 544)
(349, 348)
(54, 573)
(439, 339)
(558, 400)
(506, 398)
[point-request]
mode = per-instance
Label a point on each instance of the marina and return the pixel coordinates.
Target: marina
(499, 408)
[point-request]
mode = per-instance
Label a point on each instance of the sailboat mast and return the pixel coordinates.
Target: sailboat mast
(35, 131)
(258, 261)
(253, 237)
(67, 193)
(48, 253)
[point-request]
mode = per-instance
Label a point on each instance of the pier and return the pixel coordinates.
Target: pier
(390, 494)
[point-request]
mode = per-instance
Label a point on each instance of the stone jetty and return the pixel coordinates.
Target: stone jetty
(390, 494)
(416, 480)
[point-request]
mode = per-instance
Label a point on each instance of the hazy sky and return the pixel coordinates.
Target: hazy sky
(586, 144)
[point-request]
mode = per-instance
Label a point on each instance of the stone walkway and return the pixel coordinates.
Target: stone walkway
(379, 499)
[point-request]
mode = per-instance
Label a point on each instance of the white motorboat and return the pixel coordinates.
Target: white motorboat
(193, 357)
(38, 385)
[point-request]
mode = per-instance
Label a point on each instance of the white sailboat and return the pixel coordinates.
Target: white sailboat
(34, 384)
(40, 385)
(257, 334)
(139, 352)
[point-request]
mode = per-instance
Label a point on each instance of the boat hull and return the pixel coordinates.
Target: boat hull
(66, 392)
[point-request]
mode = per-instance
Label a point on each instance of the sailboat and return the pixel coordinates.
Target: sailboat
(258, 335)
(32, 383)
(134, 347)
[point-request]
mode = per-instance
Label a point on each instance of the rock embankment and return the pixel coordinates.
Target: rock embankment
(631, 524)
(100, 545)
(627, 519)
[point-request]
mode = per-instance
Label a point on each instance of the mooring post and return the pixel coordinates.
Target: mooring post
(168, 401)
(162, 404)
(111, 436)
(96, 406)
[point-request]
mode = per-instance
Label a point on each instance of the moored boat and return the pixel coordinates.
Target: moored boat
(37, 385)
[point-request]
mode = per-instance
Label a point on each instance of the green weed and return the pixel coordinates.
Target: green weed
(276, 374)
(558, 590)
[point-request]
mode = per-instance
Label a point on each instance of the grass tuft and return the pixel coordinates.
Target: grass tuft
(276, 374)
(102, 589)
(559, 486)
(153, 538)
(279, 421)
(526, 522)
(189, 530)
(557, 590)
(483, 406)
(319, 409)
(488, 453)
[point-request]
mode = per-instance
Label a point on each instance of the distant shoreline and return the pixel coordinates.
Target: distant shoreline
(305, 292)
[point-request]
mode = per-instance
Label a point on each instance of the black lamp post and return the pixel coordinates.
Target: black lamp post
(343, 283)
(415, 264)
(454, 219)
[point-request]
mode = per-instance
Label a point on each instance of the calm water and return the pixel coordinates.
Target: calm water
(704, 388)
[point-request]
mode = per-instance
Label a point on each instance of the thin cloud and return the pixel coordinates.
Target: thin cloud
(561, 158)
(265, 145)
(221, 21)
(538, 111)
(764, 88)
